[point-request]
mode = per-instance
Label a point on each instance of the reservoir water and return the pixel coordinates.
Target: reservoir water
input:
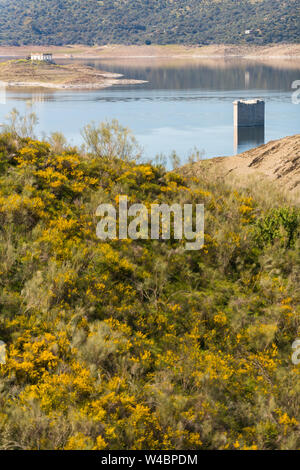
(184, 104)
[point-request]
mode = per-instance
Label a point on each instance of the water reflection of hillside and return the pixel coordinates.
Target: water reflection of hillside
(34, 95)
(207, 74)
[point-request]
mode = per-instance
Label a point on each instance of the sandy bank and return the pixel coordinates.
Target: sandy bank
(277, 161)
(272, 51)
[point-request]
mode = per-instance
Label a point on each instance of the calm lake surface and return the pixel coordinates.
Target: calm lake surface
(185, 104)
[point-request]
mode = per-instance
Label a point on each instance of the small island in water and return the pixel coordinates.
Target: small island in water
(38, 73)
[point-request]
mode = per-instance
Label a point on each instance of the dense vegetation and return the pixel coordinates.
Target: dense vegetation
(141, 344)
(92, 22)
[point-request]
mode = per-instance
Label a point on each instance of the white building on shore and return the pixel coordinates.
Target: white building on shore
(44, 57)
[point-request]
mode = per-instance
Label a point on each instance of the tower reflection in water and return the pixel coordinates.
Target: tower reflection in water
(246, 138)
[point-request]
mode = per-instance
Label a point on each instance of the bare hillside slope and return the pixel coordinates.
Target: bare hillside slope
(277, 161)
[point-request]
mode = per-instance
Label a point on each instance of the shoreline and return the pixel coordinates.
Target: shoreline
(81, 86)
(119, 51)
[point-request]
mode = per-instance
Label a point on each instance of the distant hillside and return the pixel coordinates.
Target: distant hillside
(277, 161)
(59, 22)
